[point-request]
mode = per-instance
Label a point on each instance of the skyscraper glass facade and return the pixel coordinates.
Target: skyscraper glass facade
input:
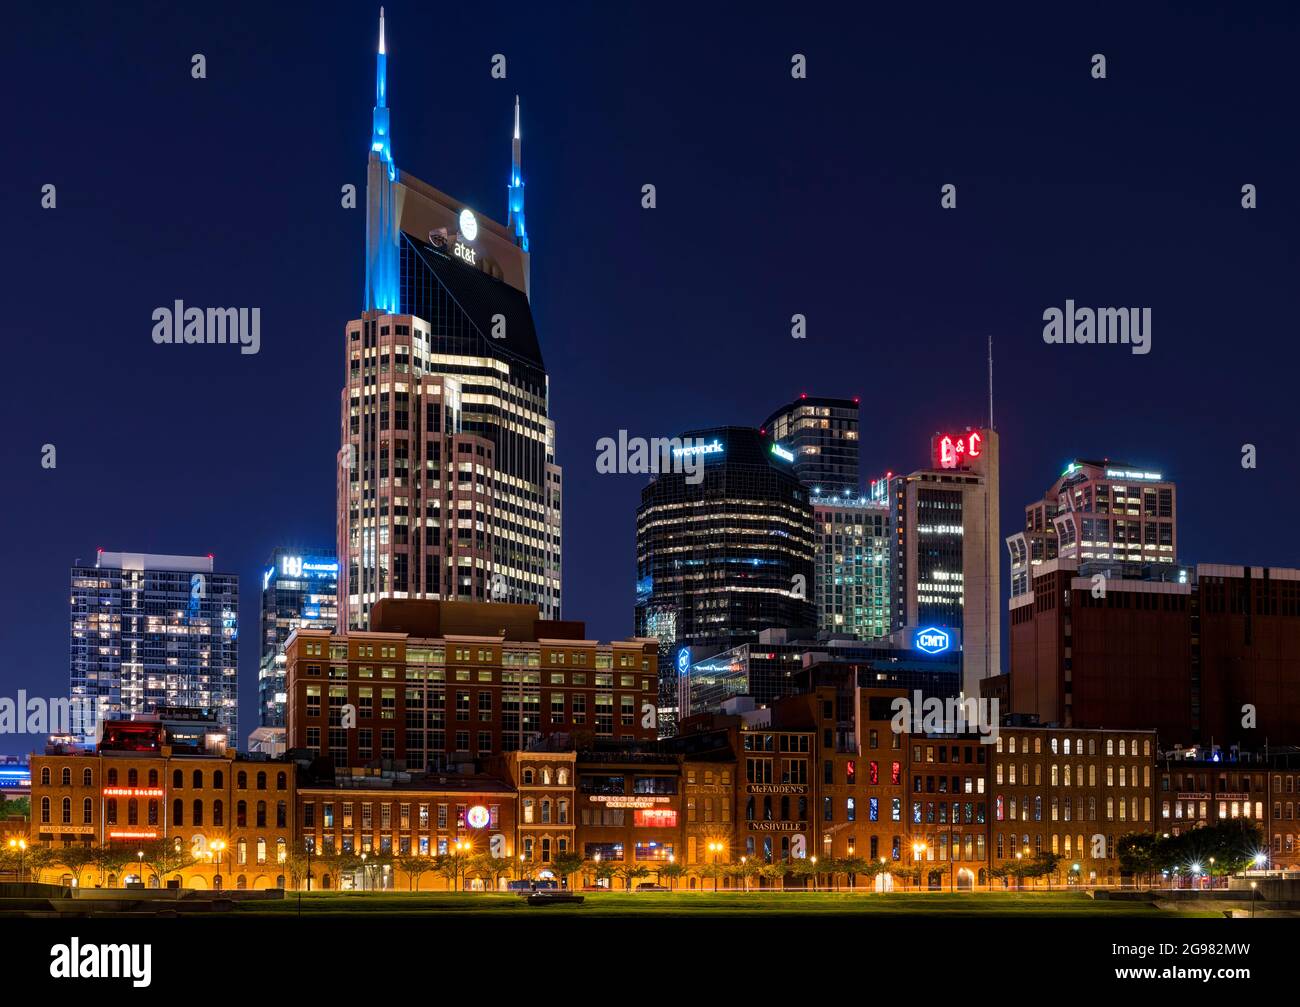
(299, 588)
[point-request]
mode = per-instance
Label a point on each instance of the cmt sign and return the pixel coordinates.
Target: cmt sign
(953, 450)
(932, 640)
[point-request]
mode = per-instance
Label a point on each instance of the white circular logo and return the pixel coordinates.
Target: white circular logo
(468, 225)
(477, 816)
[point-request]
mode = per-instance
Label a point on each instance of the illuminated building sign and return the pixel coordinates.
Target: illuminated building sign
(640, 801)
(953, 450)
(782, 453)
(655, 818)
(468, 225)
(133, 834)
(297, 566)
(133, 792)
(932, 640)
(464, 252)
(714, 447)
(1153, 477)
(477, 816)
(776, 788)
(684, 660)
(776, 826)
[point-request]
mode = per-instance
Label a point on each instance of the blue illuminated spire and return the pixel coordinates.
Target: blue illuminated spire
(381, 141)
(381, 198)
(515, 191)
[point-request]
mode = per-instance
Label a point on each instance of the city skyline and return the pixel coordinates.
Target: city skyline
(616, 362)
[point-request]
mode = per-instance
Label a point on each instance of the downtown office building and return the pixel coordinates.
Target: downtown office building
(299, 589)
(152, 631)
(722, 559)
(447, 482)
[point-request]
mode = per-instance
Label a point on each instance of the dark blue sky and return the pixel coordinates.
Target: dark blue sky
(776, 196)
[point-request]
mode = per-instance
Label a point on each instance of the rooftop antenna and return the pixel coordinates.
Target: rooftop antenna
(990, 382)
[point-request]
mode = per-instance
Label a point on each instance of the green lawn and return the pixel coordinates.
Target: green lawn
(616, 904)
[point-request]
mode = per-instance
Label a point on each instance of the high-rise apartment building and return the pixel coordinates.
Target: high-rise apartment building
(946, 564)
(153, 631)
(447, 482)
(299, 588)
(853, 590)
(822, 434)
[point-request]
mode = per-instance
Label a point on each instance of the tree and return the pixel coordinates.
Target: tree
(491, 869)
(110, 860)
(567, 864)
(414, 866)
(631, 872)
(604, 870)
(75, 858)
(297, 864)
(745, 870)
(164, 856)
(1137, 854)
(804, 868)
(713, 871)
(672, 871)
(772, 872)
(451, 866)
(853, 866)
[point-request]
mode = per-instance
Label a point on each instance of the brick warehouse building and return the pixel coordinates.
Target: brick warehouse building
(763, 784)
(438, 684)
(1214, 658)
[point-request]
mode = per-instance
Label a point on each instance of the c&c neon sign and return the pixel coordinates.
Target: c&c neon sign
(953, 451)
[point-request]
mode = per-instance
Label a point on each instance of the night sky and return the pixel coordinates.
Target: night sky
(775, 196)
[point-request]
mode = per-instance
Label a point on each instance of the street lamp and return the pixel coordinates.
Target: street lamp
(744, 877)
(219, 845)
(139, 854)
(21, 846)
(813, 860)
(917, 849)
(363, 870)
(1211, 872)
(1252, 900)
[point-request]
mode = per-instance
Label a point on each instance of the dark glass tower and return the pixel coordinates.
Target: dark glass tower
(299, 589)
(822, 434)
(725, 557)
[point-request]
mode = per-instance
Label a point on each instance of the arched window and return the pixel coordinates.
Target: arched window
(241, 851)
(153, 777)
(563, 808)
(178, 812)
(281, 853)
(241, 814)
(218, 813)
(112, 777)
(45, 776)
(546, 812)
(45, 811)
(546, 776)
(110, 811)
(281, 781)
(67, 811)
(66, 776)
(241, 781)
(87, 778)
(279, 881)
(198, 812)
(133, 777)
(528, 776)
(261, 850)
(153, 812)
(261, 781)
(281, 815)
(198, 779)
(241, 882)
(132, 812)
(87, 811)
(218, 779)
(261, 814)
(562, 777)
(178, 779)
